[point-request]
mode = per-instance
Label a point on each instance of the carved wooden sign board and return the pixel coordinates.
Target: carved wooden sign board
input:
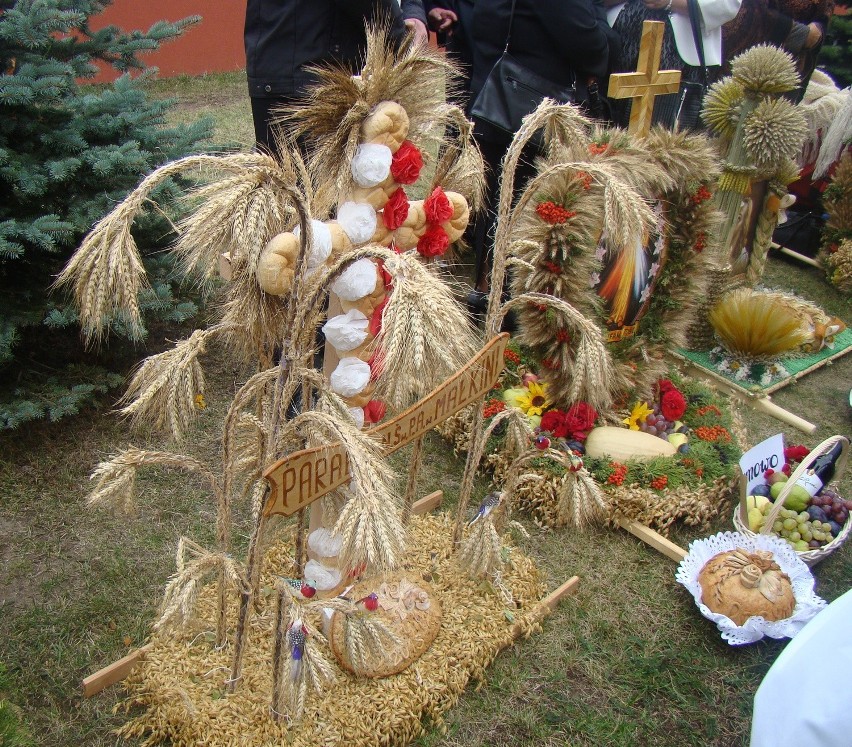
(304, 476)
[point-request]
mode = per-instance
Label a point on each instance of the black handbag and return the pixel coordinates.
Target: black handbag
(512, 91)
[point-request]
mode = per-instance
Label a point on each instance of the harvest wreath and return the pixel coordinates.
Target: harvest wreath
(691, 481)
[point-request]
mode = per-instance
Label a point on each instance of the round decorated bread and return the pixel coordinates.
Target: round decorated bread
(740, 584)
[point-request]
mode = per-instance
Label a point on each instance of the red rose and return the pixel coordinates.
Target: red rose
(434, 242)
(395, 210)
(553, 421)
(406, 163)
(374, 411)
(579, 420)
(795, 453)
(437, 206)
(672, 405)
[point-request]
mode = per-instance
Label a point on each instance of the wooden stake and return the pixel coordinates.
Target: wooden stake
(547, 605)
(427, 503)
(795, 255)
(652, 538)
(114, 672)
(647, 82)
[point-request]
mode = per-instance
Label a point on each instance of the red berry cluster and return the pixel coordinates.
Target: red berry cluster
(619, 472)
(658, 483)
(562, 335)
(552, 213)
(552, 267)
(550, 363)
(709, 408)
(511, 356)
(702, 195)
(586, 178)
(700, 242)
(713, 433)
(597, 148)
(492, 407)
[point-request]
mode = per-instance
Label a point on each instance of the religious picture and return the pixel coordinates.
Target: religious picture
(629, 276)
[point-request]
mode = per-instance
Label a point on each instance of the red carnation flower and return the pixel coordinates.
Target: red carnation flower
(795, 453)
(374, 411)
(553, 421)
(672, 405)
(664, 385)
(434, 242)
(579, 420)
(437, 206)
(395, 210)
(406, 163)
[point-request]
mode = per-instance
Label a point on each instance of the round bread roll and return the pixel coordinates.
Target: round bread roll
(740, 584)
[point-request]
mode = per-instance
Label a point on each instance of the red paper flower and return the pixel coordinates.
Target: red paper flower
(672, 405)
(375, 325)
(374, 411)
(406, 163)
(579, 420)
(437, 206)
(395, 210)
(434, 242)
(376, 362)
(665, 385)
(553, 421)
(552, 213)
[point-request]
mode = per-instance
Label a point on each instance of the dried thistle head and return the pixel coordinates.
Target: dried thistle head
(765, 69)
(773, 132)
(721, 108)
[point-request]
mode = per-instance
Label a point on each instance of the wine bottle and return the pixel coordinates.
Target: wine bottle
(821, 470)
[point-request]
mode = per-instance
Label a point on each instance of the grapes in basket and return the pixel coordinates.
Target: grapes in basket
(806, 522)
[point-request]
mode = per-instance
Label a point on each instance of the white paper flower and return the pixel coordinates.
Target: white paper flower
(324, 578)
(357, 414)
(350, 377)
(356, 281)
(325, 543)
(346, 332)
(320, 249)
(371, 164)
(358, 220)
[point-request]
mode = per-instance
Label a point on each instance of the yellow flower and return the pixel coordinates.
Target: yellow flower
(534, 400)
(640, 411)
(199, 401)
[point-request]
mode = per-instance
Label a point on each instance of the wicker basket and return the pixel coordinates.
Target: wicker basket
(811, 557)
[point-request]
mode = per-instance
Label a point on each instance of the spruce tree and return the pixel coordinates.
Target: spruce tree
(69, 151)
(836, 53)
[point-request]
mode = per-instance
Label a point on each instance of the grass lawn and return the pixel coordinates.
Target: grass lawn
(627, 660)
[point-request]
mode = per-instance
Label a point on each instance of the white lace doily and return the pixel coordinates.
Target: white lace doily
(807, 602)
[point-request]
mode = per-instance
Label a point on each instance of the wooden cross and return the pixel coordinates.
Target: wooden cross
(647, 82)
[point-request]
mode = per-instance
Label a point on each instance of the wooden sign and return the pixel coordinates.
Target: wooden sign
(304, 476)
(647, 82)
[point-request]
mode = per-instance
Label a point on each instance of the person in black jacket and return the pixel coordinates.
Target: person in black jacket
(561, 40)
(285, 37)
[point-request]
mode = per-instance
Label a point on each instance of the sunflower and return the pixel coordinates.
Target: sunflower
(533, 400)
(640, 411)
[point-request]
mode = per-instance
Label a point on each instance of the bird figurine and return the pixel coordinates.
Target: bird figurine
(305, 588)
(489, 503)
(296, 638)
(369, 602)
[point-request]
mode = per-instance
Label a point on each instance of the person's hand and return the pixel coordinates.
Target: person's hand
(418, 28)
(440, 19)
(672, 6)
(814, 35)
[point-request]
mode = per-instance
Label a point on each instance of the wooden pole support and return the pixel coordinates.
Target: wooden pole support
(549, 603)
(795, 255)
(427, 503)
(652, 538)
(765, 404)
(113, 673)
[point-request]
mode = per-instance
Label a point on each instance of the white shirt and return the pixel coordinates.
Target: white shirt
(714, 13)
(804, 699)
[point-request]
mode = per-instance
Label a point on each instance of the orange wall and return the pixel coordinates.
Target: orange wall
(215, 44)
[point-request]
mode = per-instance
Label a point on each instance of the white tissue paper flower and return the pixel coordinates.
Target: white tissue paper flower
(357, 414)
(371, 164)
(356, 281)
(325, 578)
(350, 377)
(325, 543)
(320, 249)
(346, 332)
(358, 220)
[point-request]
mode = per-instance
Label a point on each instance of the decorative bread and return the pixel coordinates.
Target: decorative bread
(740, 584)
